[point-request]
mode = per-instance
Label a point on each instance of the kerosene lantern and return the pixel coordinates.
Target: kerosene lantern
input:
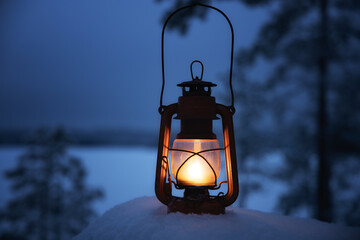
(195, 161)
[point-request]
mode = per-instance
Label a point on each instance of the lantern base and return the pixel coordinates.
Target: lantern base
(196, 201)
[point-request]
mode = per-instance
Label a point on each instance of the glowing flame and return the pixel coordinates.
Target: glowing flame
(195, 171)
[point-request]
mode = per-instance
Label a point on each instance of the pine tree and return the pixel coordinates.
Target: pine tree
(50, 198)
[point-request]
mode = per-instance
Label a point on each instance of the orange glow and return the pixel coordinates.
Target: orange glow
(195, 171)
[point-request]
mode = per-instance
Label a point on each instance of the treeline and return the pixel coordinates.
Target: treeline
(87, 137)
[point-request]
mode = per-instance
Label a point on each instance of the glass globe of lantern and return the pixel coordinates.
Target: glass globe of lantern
(194, 163)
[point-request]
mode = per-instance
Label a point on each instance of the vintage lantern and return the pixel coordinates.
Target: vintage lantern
(195, 153)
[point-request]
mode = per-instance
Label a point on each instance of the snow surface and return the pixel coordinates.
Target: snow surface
(147, 218)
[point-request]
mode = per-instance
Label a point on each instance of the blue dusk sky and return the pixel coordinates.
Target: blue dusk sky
(90, 64)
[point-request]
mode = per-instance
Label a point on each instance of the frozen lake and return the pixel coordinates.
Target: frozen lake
(124, 173)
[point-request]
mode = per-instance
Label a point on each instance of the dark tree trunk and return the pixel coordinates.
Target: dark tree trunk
(243, 184)
(324, 206)
(244, 153)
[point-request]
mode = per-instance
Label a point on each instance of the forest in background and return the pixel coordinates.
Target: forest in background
(50, 198)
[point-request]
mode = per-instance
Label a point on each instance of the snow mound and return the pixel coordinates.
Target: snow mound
(146, 218)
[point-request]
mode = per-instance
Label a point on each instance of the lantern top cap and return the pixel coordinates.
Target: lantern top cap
(196, 87)
(196, 83)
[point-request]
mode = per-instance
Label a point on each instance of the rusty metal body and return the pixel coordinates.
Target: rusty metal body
(163, 184)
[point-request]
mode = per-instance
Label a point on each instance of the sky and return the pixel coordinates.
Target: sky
(90, 64)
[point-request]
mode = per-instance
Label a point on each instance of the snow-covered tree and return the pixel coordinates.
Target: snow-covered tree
(50, 198)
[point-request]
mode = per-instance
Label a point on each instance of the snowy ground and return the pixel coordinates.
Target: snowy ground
(147, 218)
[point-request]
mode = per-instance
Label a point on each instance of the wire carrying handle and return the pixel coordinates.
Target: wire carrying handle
(162, 107)
(191, 69)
